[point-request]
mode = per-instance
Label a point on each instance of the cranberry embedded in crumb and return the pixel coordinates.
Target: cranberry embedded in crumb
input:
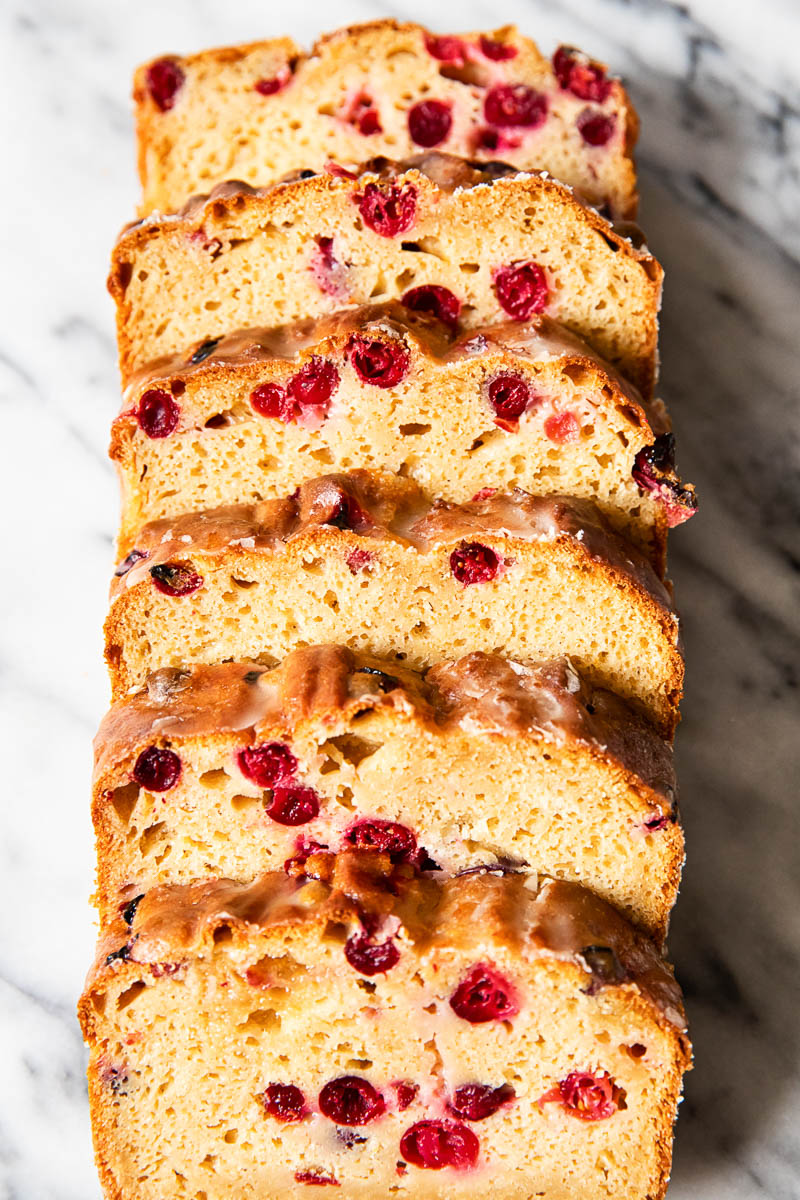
(358, 560)
(164, 81)
(268, 764)
(521, 289)
(157, 769)
(362, 114)
(284, 1102)
(497, 51)
(562, 427)
(514, 105)
(495, 141)
(586, 80)
(437, 1144)
(509, 396)
(316, 1178)
(388, 211)
(130, 561)
(484, 995)
(351, 1100)
(474, 563)
(330, 275)
(378, 362)
(446, 49)
(371, 958)
(293, 805)
(406, 1093)
(595, 128)
(275, 83)
(157, 413)
(172, 579)
(430, 122)
(477, 1101)
(314, 384)
(269, 400)
(386, 837)
(438, 301)
(589, 1096)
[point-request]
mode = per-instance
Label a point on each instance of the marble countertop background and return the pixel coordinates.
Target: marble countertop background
(718, 88)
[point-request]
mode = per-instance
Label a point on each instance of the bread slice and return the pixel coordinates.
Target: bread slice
(366, 560)
(243, 257)
(484, 1036)
(519, 404)
(232, 769)
(255, 112)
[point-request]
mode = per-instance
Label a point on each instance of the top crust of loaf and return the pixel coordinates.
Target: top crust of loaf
(483, 694)
(554, 919)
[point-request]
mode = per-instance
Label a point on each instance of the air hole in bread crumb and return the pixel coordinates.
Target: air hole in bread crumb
(129, 995)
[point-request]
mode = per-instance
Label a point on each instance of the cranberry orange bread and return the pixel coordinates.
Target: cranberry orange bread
(503, 244)
(232, 769)
(519, 404)
(365, 559)
(483, 1036)
(255, 112)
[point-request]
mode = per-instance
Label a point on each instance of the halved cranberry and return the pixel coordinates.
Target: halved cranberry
(590, 1096)
(329, 274)
(157, 769)
(388, 211)
(407, 1093)
(274, 83)
(595, 128)
(484, 995)
(293, 805)
(509, 396)
(515, 105)
(164, 81)
(173, 579)
(474, 563)
(430, 122)
(446, 49)
(267, 764)
(157, 413)
(314, 384)
(562, 427)
(371, 958)
(380, 363)
(437, 1144)
(521, 289)
(477, 1101)
(284, 1102)
(586, 80)
(497, 51)
(386, 837)
(438, 301)
(351, 1100)
(269, 399)
(316, 1178)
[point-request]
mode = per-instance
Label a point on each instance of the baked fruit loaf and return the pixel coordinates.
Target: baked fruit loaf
(232, 769)
(518, 404)
(479, 1036)
(365, 559)
(255, 112)
(243, 257)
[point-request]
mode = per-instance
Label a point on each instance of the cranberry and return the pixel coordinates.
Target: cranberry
(130, 561)
(128, 911)
(347, 513)
(430, 122)
(484, 995)
(371, 958)
(588, 1096)
(358, 560)
(293, 805)
(438, 301)
(446, 49)
(296, 865)
(595, 128)
(438, 1144)
(204, 351)
(268, 764)
(562, 427)
(514, 105)
(497, 51)
(314, 384)
(477, 1101)
(362, 114)
(381, 363)
(316, 1178)
(172, 579)
(269, 399)
(509, 396)
(157, 413)
(387, 837)
(495, 140)
(164, 81)
(484, 493)
(388, 212)
(521, 289)
(284, 1102)
(584, 79)
(406, 1093)
(157, 769)
(656, 824)
(329, 274)
(474, 563)
(273, 84)
(351, 1100)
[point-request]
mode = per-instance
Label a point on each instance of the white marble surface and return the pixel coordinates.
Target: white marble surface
(718, 87)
